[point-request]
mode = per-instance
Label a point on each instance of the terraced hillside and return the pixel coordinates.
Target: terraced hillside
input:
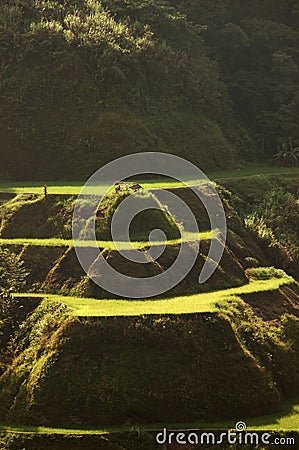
(107, 356)
(79, 358)
(52, 263)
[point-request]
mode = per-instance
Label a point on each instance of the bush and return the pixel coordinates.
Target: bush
(12, 272)
(250, 262)
(265, 273)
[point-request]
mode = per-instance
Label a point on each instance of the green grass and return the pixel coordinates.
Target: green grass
(74, 187)
(36, 187)
(197, 303)
(110, 245)
(51, 242)
(286, 420)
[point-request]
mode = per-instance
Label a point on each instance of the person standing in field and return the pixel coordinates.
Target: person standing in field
(45, 190)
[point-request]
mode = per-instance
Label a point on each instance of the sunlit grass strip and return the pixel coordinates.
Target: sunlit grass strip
(55, 242)
(196, 303)
(286, 420)
(74, 187)
(52, 242)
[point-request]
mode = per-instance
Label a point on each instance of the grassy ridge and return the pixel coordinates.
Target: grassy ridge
(286, 420)
(110, 245)
(74, 187)
(205, 302)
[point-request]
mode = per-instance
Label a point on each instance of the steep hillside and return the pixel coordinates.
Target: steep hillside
(81, 86)
(269, 207)
(101, 371)
(55, 268)
(83, 82)
(82, 367)
(262, 221)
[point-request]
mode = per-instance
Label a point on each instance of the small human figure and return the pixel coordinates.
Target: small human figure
(117, 186)
(45, 190)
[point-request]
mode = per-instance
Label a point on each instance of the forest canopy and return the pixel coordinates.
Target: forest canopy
(85, 81)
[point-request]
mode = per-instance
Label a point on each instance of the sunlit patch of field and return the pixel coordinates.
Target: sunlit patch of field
(74, 187)
(197, 303)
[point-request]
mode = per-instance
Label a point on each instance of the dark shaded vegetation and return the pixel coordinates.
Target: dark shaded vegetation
(29, 215)
(256, 45)
(83, 82)
(13, 441)
(85, 373)
(12, 272)
(12, 312)
(270, 209)
(143, 440)
(153, 216)
(276, 219)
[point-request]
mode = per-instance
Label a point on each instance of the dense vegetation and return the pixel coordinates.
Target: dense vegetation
(59, 370)
(270, 209)
(78, 372)
(12, 312)
(276, 219)
(83, 82)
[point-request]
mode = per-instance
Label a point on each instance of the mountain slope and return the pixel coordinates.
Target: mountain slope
(84, 82)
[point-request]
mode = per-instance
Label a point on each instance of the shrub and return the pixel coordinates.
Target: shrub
(12, 272)
(265, 273)
(250, 262)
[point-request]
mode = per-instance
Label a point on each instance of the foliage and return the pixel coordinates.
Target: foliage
(250, 262)
(287, 153)
(12, 272)
(84, 82)
(255, 46)
(103, 383)
(276, 219)
(265, 273)
(8, 318)
(12, 277)
(271, 345)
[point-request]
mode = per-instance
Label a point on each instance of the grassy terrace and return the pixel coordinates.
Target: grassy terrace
(197, 303)
(286, 420)
(74, 187)
(110, 245)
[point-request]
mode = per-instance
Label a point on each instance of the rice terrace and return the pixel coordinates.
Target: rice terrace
(150, 353)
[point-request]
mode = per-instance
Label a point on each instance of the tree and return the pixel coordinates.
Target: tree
(12, 271)
(287, 153)
(12, 276)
